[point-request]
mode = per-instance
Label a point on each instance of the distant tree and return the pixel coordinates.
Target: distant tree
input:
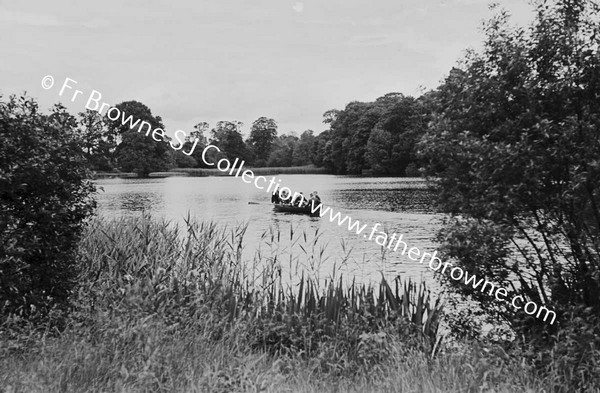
(45, 198)
(99, 141)
(198, 133)
(350, 132)
(351, 129)
(283, 151)
(391, 147)
(379, 152)
(330, 116)
(227, 136)
(262, 135)
(182, 157)
(304, 149)
(320, 154)
(137, 152)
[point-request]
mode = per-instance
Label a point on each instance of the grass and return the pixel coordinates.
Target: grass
(162, 308)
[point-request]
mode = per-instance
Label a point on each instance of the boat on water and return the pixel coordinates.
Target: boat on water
(279, 207)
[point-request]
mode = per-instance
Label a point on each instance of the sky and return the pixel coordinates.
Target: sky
(211, 60)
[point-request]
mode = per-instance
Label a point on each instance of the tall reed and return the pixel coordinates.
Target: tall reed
(184, 275)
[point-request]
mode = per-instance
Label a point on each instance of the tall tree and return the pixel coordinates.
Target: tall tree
(283, 151)
(195, 142)
(227, 135)
(99, 141)
(262, 135)
(138, 152)
(391, 147)
(305, 149)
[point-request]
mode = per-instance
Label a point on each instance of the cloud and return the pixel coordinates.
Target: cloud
(27, 18)
(298, 7)
(45, 20)
(96, 23)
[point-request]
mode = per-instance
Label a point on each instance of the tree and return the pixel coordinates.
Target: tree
(352, 128)
(262, 135)
(515, 146)
(330, 116)
(195, 142)
(304, 149)
(322, 150)
(99, 142)
(45, 198)
(283, 151)
(138, 152)
(227, 136)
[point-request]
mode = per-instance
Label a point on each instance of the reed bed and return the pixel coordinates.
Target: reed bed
(162, 307)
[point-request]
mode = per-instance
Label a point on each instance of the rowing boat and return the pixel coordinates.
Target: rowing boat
(291, 209)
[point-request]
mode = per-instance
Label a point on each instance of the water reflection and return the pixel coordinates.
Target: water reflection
(399, 205)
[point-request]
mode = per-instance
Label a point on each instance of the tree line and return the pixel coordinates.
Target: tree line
(110, 145)
(376, 138)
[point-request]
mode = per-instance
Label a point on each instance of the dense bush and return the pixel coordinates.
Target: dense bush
(44, 200)
(514, 149)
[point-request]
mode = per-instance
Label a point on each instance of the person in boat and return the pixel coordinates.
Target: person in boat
(275, 198)
(299, 201)
(316, 197)
(285, 198)
(304, 201)
(314, 203)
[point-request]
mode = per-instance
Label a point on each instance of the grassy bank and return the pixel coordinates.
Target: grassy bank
(161, 308)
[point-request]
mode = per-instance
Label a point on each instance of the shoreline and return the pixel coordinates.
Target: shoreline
(207, 172)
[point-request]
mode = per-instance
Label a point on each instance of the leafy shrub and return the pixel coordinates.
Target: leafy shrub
(514, 148)
(44, 200)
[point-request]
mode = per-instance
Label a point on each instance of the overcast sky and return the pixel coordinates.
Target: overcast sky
(192, 61)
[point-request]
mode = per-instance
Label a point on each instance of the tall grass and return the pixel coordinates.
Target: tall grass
(161, 269)
(168, 308)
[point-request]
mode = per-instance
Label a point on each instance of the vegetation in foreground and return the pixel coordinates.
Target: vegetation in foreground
(159, 308)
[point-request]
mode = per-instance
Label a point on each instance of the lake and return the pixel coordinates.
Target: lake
(400, 205)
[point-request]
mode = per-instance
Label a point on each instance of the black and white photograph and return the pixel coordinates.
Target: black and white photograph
(300, 196)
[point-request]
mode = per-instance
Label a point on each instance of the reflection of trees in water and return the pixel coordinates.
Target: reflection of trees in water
(134, 201)
(402, 200)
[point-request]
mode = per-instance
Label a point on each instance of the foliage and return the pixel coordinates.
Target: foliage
(379, 136)
(138, 152)
(283, 151)
(153, 313)
(515, 146)
(150, 267)
(44, 201)
(227, 136)
(190, 155)
(99, 142)
(304, 150)
(262, 134)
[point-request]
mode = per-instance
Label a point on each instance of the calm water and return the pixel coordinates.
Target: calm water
(399, 205)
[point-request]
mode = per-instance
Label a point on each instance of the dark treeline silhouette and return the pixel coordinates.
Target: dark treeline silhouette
(376, 138)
